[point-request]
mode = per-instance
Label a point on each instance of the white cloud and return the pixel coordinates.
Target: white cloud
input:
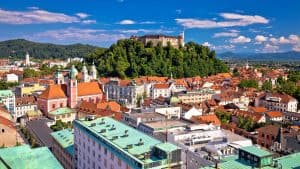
(206, 44)
(226, 34)
(260, 39)
(135, 31)
(291, 39)
(127, 22)
(296, 48)
(35, 17)
(89, 21)
(240, 39)
(82, 15)
(268, 48)
(33, 7)
(79, 35)
(225, 47)
(148, 22)
(230, 20)
(178, 11)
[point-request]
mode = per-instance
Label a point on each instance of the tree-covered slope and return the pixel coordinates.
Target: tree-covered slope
(130, 58)
(17, 49)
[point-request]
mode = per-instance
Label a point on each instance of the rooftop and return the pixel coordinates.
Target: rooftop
(128, 140)
(23, 157)
(256, 151)
(60, 111)
(65, 138)
(6, 93)
(161, 125)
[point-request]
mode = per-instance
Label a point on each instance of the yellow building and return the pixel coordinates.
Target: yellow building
(29, 89)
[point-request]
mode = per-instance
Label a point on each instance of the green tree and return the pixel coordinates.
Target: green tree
(267, 86)
(28, 73)
(251, 83)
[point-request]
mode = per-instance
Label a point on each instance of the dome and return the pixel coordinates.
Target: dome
(73, 72)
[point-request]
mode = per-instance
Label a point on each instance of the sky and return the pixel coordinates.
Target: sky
(260, 26)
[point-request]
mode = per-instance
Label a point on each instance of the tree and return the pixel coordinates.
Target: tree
(267, 86)
(251, 83)
(28, 73)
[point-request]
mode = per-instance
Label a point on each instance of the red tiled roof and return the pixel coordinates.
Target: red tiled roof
(25, 100)
(274, 114)
(54, 92)
(88, 88)
(6, 122)
(210, 118)
(161, 86)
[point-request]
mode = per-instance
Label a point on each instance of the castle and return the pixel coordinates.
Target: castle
(175, 41)
(68, 92)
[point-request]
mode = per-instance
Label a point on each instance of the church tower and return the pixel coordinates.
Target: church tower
(27, 59)
(93, 72)
(72, 88)
(59, 78)
(85, 74)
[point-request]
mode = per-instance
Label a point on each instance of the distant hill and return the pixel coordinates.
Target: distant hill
(17, 49)
(285, 56)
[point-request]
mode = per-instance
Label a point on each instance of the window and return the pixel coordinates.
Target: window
(61, 105)
(53, 106)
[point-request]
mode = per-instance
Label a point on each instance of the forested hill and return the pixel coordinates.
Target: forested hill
(130, 58)
(17, 49)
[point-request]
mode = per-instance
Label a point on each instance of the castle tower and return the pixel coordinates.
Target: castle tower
(85, 74)
(93, 72)
(72, 88)
(182, 38)
(27, 59)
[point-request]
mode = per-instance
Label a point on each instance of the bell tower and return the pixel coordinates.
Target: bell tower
(72, 88)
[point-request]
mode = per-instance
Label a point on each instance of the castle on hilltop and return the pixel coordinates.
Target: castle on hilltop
(175, 41)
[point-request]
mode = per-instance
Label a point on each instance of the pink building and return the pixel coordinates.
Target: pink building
(68, 94)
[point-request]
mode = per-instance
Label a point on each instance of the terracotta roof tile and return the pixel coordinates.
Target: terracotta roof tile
(210, 118)
(54, 92)
(161, 86)
(274, 114)
(89, 88)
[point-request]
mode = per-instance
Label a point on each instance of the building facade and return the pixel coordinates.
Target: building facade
(164, 40)
(106, 143)
(7, 97)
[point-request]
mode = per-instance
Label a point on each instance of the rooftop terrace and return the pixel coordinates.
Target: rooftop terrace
(256, 151)
(61, 111)
(24, 157)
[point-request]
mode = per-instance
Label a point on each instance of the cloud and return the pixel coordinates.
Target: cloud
(225, 47)
(135, 31)
(78, 35)
(225, 34)
(291, 39)
(36, 16)
(127, 22)
(296, 48)
(82, 15)
(230, 20)
(178, 11)
(268, 48)
(206, 44)
(89, 21)
(148, 22)
(260, 39)
(33, 7)
(240, 39)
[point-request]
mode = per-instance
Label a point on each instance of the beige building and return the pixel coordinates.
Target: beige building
(175, 41)
(196, 96)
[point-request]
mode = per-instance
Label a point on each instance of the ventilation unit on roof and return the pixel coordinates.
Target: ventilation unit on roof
(125, 133)
(113, 127)
(90, 117)
(140, 142)
(129, 146)
(102, 121)
(102, 131)
(92, 124)
(114, 138)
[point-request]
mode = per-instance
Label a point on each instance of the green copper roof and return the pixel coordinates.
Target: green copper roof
(114, 133)
(289, 161)
(256, 151)
(6, 93)
(61, 111)
(65, 139)
(24, 157)
(73, 72)
(167, 147)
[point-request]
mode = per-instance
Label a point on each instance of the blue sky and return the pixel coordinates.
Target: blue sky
(223, 25)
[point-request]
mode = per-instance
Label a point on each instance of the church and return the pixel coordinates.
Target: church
(69, 92)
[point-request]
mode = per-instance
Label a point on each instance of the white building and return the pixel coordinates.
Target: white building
(7, 97)
(11, 78)
(190, 113)
(24, 105)
(86, 76)
(277, 102)
(170, 112)
(161, 90)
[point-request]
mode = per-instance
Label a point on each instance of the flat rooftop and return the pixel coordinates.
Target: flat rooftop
(22, 157)
(256, 151)
(124, 138)
(65, 138)
(146, 115)
(162, 125)
(61, 111)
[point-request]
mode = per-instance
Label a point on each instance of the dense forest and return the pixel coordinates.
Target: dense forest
(129, 58)
(18, 48)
